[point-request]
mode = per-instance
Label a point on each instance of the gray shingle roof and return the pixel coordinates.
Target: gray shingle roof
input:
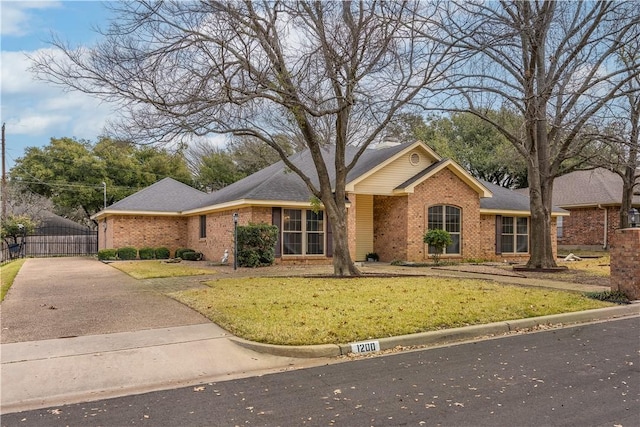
(504, 199)
(277, 182)
(166, 195)
(588, 188)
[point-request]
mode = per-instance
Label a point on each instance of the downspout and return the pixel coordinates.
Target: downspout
(606, 227)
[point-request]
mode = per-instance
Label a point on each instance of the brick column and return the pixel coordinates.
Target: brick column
(625, 262)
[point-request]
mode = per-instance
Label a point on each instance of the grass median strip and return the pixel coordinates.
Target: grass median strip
(8, 273)
(299, 311)
(158, 269)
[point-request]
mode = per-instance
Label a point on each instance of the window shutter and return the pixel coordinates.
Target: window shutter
(329, 238)
(498, 234)
(276, 219)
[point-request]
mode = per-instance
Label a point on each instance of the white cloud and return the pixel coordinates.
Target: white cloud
(17, 19)
(39, 109)
(16, 78)
(37, 124)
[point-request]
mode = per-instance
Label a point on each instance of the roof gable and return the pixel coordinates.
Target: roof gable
(409, 185)
(385, 168)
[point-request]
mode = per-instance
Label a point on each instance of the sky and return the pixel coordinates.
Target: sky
(35, 111)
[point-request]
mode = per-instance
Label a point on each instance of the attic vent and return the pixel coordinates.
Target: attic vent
(414, 159)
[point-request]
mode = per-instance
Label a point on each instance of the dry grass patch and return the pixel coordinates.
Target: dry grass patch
(593, 266)
(158, 269)
(298, 311)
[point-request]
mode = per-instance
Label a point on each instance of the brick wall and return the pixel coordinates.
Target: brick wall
(141, 231)
(585, 227)
(220, 230)
(444, 188)
(625, 262)
(390, 227)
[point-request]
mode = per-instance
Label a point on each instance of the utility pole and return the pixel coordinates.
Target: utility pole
(4, 179)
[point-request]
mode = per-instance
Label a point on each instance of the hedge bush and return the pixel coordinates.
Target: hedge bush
(191, 256)
(127, 253)
(163, 253)
(256, 245)
(107, 254)
(147, 253)
(180, 251)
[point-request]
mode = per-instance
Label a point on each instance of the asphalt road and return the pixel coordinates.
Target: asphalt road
(586, 375)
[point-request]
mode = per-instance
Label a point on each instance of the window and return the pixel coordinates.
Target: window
(203, 226)
(514, 235)
(446, 218)
(559, 224)
(303, 232)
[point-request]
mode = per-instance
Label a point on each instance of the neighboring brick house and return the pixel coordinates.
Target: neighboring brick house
(395, 195)
(593, 198)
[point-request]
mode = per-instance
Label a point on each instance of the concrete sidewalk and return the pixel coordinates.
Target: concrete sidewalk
(38, 374)
(138, 340)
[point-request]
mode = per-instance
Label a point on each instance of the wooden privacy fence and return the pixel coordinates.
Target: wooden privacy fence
(57, 242)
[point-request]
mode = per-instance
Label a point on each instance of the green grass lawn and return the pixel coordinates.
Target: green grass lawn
(8, 273)
(158, 269)
(297, 311)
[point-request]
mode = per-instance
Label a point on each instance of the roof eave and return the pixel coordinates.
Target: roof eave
(112, 212)
(242, 203)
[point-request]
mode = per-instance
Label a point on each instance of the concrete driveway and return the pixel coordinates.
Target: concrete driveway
(70, 297)
(75, 330)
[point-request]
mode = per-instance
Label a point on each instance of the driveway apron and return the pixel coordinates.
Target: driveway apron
(69, 297)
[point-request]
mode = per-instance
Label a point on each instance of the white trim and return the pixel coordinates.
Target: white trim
(516, 213)
(107, 213)
(457, 170)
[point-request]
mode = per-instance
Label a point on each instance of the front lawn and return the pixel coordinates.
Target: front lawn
(158, 269)
(298, 311)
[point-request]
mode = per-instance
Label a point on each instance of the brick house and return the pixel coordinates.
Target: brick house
(593, 199)
(395, 194)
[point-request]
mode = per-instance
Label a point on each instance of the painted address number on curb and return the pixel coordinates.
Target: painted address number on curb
(365, 347)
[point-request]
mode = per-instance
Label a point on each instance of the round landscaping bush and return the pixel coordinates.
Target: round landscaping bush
(181, 251)
(106, 254)
(147, 253)
(163, 253)
(127, 253)
(191, 256)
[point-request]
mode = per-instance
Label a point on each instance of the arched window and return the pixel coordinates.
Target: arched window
(447, 218)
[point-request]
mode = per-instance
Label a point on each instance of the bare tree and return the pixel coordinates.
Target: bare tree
(322, 73)
(554, 64)
(628, 165)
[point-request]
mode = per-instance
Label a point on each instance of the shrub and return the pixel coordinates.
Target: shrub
(438, 239)
(180, 251)
(191, 256)
(106, 254)
(127, 253)
(163, 253)
(372, 256)
(147, 253)
(617, 297)
(256, 245)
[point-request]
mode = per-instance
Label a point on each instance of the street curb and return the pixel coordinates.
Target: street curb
(444, 336)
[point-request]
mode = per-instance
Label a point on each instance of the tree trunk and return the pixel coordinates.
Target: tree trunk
(342, 263)
(541, 251)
